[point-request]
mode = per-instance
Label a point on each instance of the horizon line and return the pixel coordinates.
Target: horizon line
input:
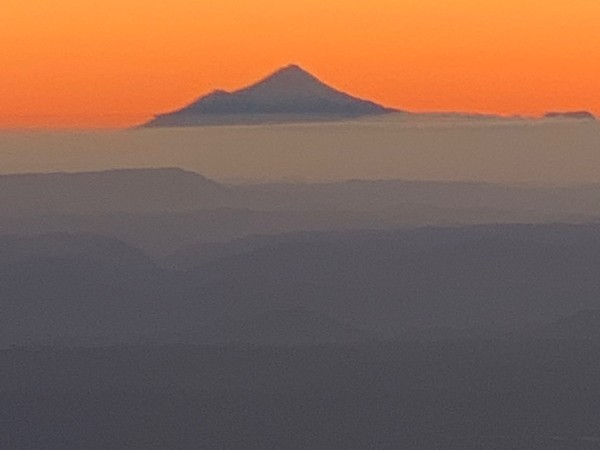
(141, 117)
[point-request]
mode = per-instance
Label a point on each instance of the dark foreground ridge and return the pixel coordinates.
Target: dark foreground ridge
(289, 95)
(460, 395)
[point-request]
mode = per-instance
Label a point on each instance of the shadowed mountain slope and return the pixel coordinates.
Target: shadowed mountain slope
(494, 281)
(63, 246)
(60, 286)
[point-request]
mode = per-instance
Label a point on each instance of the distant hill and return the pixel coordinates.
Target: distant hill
(160, 190)
(576, 115)
(125, 190)
(387, 282)
(65, 246)
(289, 95)
(163, 210)
(75, 285)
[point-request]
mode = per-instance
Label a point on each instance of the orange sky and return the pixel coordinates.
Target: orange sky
(91, 63)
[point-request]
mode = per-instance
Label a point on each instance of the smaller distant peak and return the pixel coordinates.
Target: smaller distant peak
(578, 115)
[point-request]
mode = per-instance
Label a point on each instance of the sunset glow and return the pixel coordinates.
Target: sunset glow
(115, 63)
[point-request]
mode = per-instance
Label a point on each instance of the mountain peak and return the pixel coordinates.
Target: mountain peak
(290, 94)
(290, 80)
(293, 70)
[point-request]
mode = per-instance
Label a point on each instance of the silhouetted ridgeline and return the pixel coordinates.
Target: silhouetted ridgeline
(176, 190)
(162, 210)
(353, 286)
(128, 190)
